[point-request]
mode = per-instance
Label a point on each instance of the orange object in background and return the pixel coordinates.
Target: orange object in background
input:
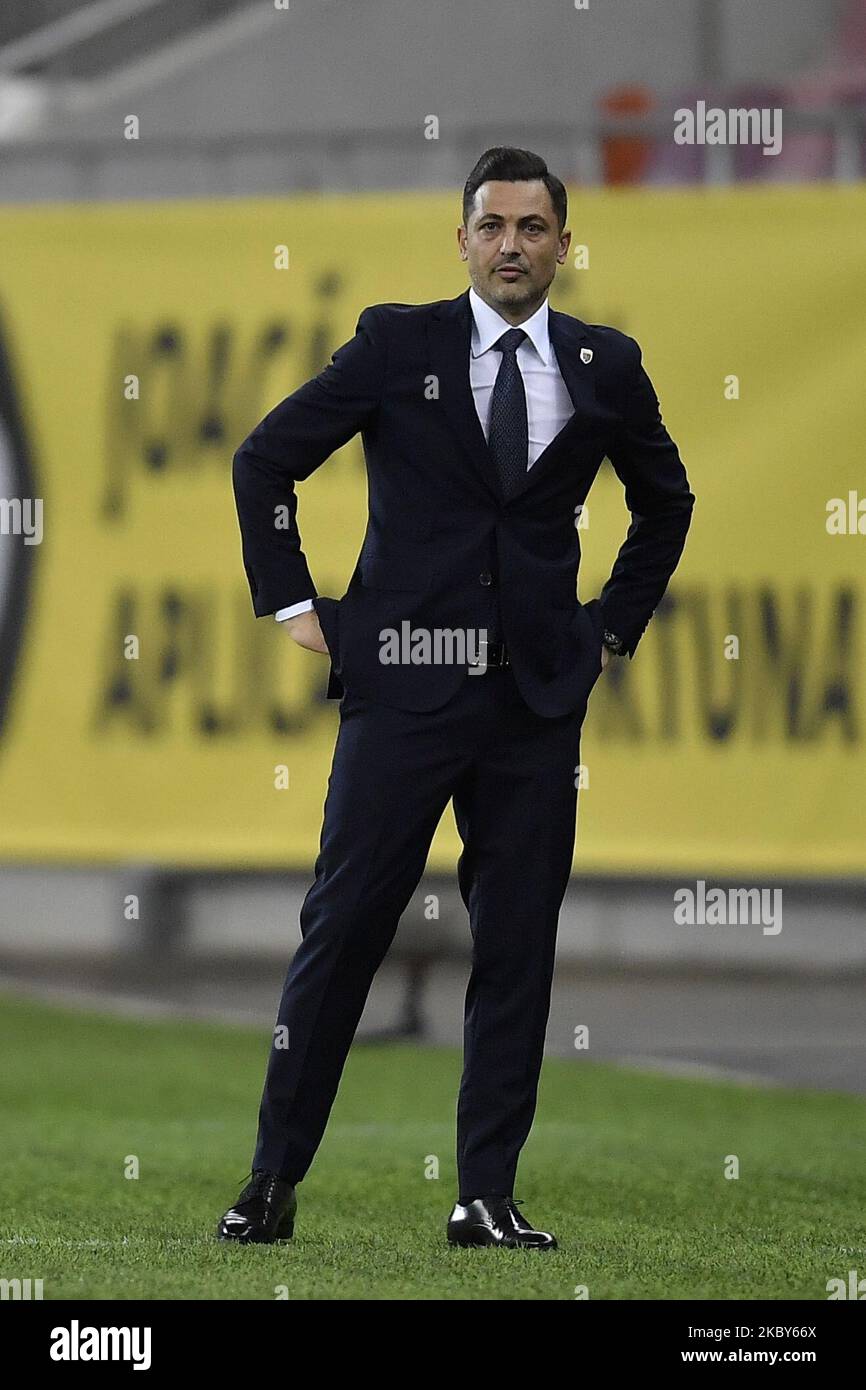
(625, 158)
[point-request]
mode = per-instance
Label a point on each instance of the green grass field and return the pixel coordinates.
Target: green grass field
(627, 1168)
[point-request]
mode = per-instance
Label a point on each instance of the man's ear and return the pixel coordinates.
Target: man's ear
(564, 243)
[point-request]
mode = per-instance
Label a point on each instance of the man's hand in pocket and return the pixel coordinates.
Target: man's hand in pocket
(305, 630)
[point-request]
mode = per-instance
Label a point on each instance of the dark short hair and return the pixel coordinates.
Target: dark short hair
(512, 166)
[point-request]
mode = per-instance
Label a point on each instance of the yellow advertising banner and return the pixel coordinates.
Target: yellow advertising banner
(146, 715)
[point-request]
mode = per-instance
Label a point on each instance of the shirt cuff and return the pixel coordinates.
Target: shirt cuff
(303, 607)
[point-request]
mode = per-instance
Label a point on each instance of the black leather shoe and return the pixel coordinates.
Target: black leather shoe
(495, 1221)
(264, 1212)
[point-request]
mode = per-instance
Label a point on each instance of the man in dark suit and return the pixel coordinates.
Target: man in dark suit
(462, 659)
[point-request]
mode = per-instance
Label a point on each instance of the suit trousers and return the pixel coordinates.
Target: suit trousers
(512, 776)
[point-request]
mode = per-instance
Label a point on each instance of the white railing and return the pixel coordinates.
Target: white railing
(57, 166)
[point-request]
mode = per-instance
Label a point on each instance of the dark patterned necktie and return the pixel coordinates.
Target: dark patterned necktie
(508, 434)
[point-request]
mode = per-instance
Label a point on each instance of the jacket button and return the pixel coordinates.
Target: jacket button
(485, 578)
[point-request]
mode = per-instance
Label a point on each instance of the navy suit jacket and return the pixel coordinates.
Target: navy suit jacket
(442, 548)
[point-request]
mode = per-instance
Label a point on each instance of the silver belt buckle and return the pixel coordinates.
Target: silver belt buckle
(495, 655)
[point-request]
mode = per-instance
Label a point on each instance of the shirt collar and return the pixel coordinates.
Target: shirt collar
(488, 327)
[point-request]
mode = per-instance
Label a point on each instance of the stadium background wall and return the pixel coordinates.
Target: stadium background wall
(757, 762)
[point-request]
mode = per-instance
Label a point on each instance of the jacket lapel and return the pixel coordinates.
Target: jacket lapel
(450, 333)
(567, 336)
(450, 329)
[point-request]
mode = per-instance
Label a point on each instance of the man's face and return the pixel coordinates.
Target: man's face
(513, 245)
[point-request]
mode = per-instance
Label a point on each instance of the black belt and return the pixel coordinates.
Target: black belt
(492, 654)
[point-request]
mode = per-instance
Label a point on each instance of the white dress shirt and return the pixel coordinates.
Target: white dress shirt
(548, 404)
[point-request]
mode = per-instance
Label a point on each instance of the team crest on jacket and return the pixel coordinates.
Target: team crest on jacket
(585, 355)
